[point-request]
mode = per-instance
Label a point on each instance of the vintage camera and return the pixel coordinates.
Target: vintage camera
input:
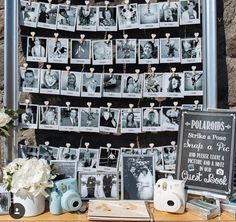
(65, 197)
(170, 195)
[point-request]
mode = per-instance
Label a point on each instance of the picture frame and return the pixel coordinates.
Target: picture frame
(48, 117)
(88, 160)
(151, 119)
(64, 168)
(5, 200)
(135, 170)
(193, 83)
(28, 152)
(169, 157)
(112, 85)
(48, 152)
(98, 185)
(190, 12)
(67, 153)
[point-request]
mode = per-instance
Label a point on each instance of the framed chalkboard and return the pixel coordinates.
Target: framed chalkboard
(206, 146)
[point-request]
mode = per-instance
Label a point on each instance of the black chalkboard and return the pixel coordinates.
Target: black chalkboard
(206, 144)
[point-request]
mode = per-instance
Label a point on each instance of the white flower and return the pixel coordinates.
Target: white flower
(4, 118)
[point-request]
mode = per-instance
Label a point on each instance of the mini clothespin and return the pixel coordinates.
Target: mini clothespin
(82, 36)
(68, 2)
(49, 67)
(153, 38)
(108, 147)
(50, 3)
(194, 70)
(46, 103)
(137, 71)
(196, 34)
(46, 144)
(109, 37)
(173, 143)
(131, 106)
(111, 72)
(26, 142)
(151, 145)
(92, 71)
(173, 71)
(168, 2)
(132, 147)
(68, 145)
(25, 66)
(196, 102)
(126, 38)
(30, 2)
(56, 35)
(175, 105)
(153, 69)
(33, 35)
(87, 146)
(152, 106)
(87, 3)
(168, 37)
(68, 105)
(126, 3)
(148, 4)
(27, 101)
(109, 107)
(106, 4)
(68, 69)
(89, 104)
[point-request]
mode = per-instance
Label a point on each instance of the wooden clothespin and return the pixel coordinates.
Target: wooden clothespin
(196, 34)
(49, 68)
(175, 105)
(148, 4)
(33, 35)
(106, 4)
(87, 146)
(109, 107)
(68, 2)
(87, 3)
(126, 38)
(173, 71)
(68, 105)
(131, 106)
(153, 69)
(89, 104)
(111, 72)
(137, 71)
(46, 144)
(108, 147)
(46, 103)
(50, 3)
(152, 106)
(151, 145)
(82, 37)
(56, 35)
(109, 37)
(126, 4)
(25, 65)
(196, 102)
(153, 38)
(168, 37)
(27, 101)
(132, 147)
(173, 144)
(30, 2)
(92, 71)
(68, 145)
(194, 70)
(68, 69)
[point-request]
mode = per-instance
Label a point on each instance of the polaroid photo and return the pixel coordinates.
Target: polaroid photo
(148, 51)
(48, 153)
(69, 119)
(102, 52)
(128, 150)
(98, 185)
(151, 119)
(131, 122)
(170, 50)
(198, 107)
(29, 80)
(173, 85)
(132, 86)
(126, 51)
(88, 160)
(112, 85)
(137, 177)
(50, 81)
(48, 118)
(128, 16)
(169, 157)
(47, 16)
(109, 159)
(80, 51)
(29, 14)
(28, 152)
(149, 16)
(87, 18)
(89, 119)
(70, 83)
(64, 168)
(153, 85)
(170, 117)
(193, 83)
(66, 18)
(36, 49)
(68, 154)
(58, 50)
(191, 50)
(107, 18)
(29, 116)
(109, 120)
(5, 200)
(190, 12)
(91, 85)
(169, 14)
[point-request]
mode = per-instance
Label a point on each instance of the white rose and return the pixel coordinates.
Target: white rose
(4, 119)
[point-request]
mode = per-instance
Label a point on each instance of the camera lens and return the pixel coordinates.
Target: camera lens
(75, 204)
(170, 203)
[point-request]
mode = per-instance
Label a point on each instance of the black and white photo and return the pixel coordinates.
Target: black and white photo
(48, 153)
(173, 85)
(89, 119)
(137, 177)
(49, 117)
(28, 152)
(64, 168)
(190, 12)
(70, 83)
(109, 159)
(91, 85)
(170, 117)
(88, 160)
(170, 50)
(126, 51)
(198, 107)
(131, 120)
(132, 86)
(153, 85)
(66, 153)
(87, 18)
(151, 119)
(36, 49)
(29, 80)
(29, 116)
(109, 120)
(191, 50)
(107, 18)
(29, 13)
(102, 52)
(169, 14)
(58, 50)
(50, 81)
(69, 119)
(148, 51)
(129, 150)
(193, 83)
(5, 200)
(47, 17)
(80, 51)
(112, 85)
(149, 16)
(169, 157)
(99, 185)
(66, 18)
(128, 16)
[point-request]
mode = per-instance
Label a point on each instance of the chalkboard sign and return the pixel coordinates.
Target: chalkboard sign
(205, 157)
